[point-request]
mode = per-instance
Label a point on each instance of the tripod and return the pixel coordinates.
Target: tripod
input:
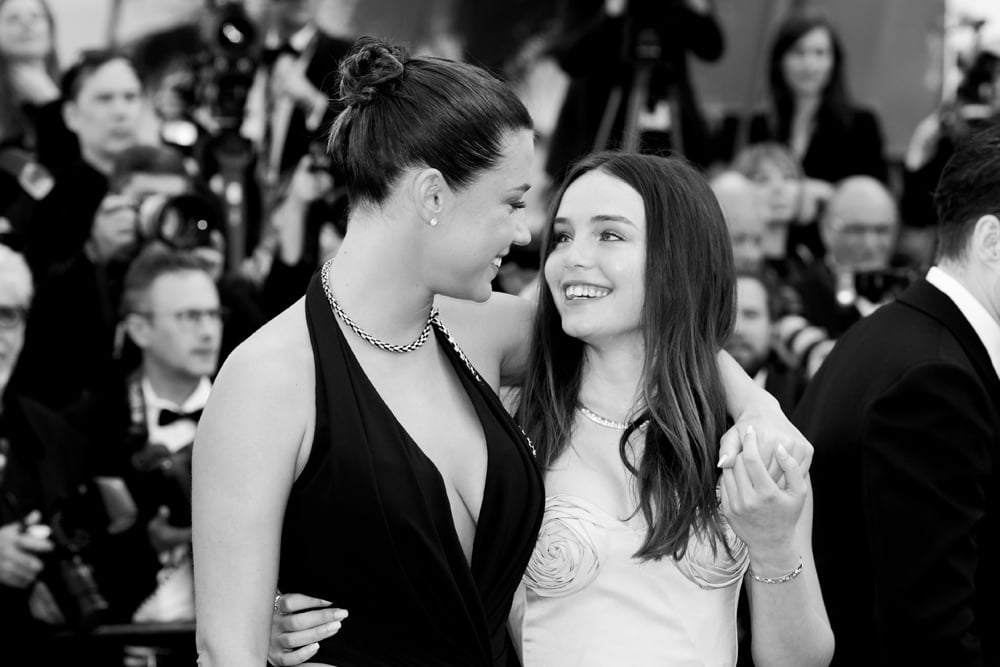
(647, 55)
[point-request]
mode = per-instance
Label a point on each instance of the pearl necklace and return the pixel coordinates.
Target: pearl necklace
(604, 421)
(364, 335)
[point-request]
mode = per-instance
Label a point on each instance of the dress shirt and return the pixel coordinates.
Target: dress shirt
(181, 432)
(987, 328)
(281, 107)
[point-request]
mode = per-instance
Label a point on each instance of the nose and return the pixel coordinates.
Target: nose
(522, 233)
(576, 253)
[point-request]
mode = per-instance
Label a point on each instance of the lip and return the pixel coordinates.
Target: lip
(582, 300)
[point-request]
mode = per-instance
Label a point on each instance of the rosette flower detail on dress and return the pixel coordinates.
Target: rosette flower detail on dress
(715, 570)
(566, 557)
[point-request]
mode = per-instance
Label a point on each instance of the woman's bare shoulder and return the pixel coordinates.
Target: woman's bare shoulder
(274, 360)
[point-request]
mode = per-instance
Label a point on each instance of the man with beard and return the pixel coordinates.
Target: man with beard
(752, 342)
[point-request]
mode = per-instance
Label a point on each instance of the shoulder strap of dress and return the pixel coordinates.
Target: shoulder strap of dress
(484, 387)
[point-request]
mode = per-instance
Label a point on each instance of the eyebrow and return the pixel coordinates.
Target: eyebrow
(521, 189)
(601, 217)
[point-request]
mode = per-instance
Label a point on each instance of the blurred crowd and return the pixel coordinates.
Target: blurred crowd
(129, 269)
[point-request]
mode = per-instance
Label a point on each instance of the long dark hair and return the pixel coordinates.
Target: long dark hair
(687, 314)
(402, 112)
(835, 105)
(14, 125)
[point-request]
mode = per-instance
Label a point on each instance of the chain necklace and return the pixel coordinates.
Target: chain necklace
(604, 421)
(364, 335)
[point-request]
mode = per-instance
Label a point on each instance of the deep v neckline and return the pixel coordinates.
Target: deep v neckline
(469, 378)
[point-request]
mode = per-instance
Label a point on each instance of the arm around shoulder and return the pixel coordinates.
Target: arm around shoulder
(244, 462)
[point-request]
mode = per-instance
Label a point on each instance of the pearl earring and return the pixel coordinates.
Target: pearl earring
(432, 221)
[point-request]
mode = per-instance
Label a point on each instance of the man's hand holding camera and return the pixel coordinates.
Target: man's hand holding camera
(21, 546)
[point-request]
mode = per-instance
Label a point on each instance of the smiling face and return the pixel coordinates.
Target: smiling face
(25, 30)
(808, 64)
(481, 221)
(595, 269)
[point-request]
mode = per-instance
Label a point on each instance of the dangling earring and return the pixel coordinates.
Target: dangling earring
(432, 222)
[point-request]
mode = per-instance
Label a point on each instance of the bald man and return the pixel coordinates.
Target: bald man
(859, 225)
(744, 213)
(859, 230)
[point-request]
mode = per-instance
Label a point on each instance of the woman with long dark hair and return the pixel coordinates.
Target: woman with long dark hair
(810, 109)
(625, 402)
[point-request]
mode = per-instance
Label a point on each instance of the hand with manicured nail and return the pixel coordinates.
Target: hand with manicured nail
(764, 513)
(772, 428)
(298, 623)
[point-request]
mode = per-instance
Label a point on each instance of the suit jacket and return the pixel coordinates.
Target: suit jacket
(322, 74)
(905, 419)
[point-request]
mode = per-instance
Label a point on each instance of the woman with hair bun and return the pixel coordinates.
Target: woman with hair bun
(354, 448)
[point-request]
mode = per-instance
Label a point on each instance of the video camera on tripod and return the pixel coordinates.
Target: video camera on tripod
(642, 53)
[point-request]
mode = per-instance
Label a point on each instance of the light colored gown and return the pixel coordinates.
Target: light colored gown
(585, 601)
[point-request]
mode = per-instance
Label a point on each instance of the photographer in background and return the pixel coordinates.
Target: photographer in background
(42, 459)
(145, 426)
(291, 102)
(73, 332)
(976, 103)
(102, 102)
(858, 228)
(602, 44)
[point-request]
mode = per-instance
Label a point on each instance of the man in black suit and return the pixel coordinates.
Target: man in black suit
(293, 100)
(905, 419)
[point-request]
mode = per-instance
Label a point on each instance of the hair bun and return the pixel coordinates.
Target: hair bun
(370, 65)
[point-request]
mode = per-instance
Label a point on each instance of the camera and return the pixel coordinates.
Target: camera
(880, 286)
(182, 222)
(75, 523)
(226, 70)
(166, 476)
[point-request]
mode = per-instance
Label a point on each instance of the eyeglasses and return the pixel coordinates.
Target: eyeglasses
(191, 318)
(12, 317)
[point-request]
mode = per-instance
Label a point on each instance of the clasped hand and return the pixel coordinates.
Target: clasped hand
(763, 512)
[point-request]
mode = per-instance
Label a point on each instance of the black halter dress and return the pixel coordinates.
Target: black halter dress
(369, 526)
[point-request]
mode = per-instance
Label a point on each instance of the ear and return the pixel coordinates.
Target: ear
(429, 190)
(69, 114)
(986, 240)
(138, 329)
(828, 228)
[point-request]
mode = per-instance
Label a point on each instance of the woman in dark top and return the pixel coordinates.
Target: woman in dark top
(810, 109)
(385, 475)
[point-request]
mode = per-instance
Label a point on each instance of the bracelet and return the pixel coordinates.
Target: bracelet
(778, 580)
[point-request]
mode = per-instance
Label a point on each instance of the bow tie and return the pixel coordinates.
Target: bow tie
(168, 416)
(271, 55)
